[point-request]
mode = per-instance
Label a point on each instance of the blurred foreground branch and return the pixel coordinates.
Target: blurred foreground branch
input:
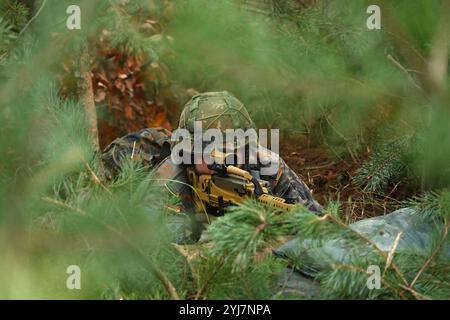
(86, 96)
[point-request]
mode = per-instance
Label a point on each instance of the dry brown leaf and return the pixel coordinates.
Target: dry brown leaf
(128, 111)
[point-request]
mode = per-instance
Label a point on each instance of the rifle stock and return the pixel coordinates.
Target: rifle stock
(231, 186)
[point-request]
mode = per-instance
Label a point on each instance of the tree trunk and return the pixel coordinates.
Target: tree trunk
(86, 97)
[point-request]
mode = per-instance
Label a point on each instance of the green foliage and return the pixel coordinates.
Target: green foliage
(13, 17)
(388, 164)
(218, 280)
(134, 28)
(298, 68)
(250, 228)
(51, 204)
(237, 239)
(7, 36)
(349, 280)
(435, 204)
(115, 232)
(242, 233)
(315, 70)
(15, 12)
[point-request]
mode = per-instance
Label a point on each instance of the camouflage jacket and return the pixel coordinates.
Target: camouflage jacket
(151, 148)
(285, 184)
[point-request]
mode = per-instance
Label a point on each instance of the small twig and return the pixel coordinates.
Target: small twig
(392, 264)
(132, 152)
(95, 178)
(410, 78)
(320, 166)
(417, 295)
(435, 252)
(393, 189)
(335, 130)
(33, 18)
(62, 204)
(392, 251)
(287, 279)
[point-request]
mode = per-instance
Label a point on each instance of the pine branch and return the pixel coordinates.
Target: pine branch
(7, 37)
(15, 12)
(34, 17)
(434, 253)
(432, 204)
(386, 165)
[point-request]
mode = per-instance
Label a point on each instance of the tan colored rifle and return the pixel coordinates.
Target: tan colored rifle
(230, 185)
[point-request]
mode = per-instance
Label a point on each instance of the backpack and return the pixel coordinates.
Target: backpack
(148, 147)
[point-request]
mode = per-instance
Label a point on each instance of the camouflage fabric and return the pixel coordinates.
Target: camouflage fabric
(285, 184)
(148, 147)
(291, 188)
(220, 110)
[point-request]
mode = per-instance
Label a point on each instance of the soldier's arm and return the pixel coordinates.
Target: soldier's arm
(290, 187)
(173, 179)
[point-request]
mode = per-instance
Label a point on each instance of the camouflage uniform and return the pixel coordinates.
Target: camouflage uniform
(285, 184)
(219, 110)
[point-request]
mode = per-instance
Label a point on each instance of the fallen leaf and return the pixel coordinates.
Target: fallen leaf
(128, 111)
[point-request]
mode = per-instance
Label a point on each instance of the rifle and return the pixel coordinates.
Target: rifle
(230, 185)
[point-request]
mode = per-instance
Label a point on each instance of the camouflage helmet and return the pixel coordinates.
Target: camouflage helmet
(220, 110)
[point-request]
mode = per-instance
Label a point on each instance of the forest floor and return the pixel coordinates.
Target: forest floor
(331, 179)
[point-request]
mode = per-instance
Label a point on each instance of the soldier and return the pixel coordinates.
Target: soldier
(219, 110)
